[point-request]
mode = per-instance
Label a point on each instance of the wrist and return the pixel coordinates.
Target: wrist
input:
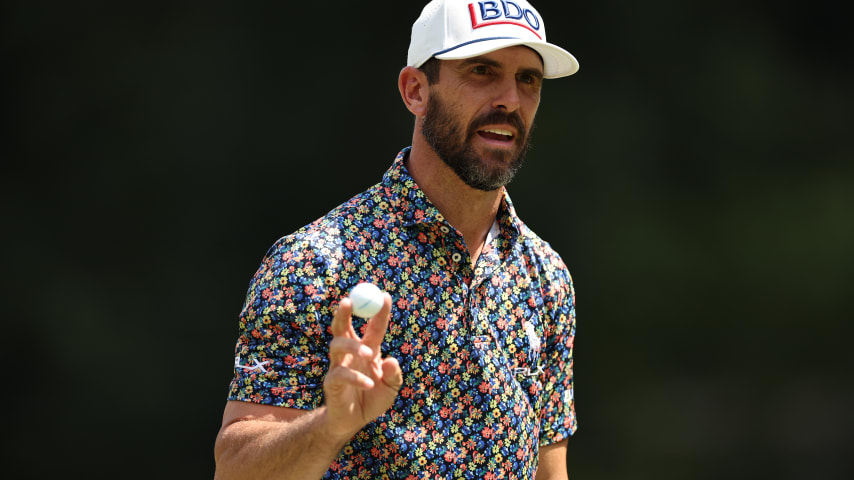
(331, 429)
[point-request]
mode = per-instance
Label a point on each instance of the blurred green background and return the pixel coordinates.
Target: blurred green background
(697, 176)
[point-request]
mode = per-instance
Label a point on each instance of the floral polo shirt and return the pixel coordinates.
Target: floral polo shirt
(486, 351)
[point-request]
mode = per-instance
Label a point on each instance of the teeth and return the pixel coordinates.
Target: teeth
(506, 133)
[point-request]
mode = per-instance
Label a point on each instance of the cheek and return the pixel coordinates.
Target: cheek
(531, 111)
(533, 99)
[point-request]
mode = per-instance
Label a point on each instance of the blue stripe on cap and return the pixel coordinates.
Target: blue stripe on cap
(475, 41)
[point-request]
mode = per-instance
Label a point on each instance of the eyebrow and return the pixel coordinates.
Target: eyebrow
(536, 72)
(484, 60)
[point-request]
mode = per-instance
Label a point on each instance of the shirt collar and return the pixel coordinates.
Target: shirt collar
(411, 206)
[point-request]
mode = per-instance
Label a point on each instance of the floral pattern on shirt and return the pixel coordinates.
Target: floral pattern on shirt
(486, 352)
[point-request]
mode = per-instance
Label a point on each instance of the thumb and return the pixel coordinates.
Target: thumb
(392, 375)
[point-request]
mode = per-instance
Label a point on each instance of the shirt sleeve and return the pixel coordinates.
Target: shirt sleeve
(281, 355)
(557, 415)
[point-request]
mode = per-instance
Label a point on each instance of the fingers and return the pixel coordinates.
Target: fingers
(377, 326)
(341, 347)
(342, 323)
(392, 375)
(363, 356)
(340, 377)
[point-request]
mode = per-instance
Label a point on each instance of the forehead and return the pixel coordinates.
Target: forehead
(516, 57)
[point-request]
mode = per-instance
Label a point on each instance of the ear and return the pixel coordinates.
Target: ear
(414, 90)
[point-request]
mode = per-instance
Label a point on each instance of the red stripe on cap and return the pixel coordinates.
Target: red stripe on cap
(499, 22)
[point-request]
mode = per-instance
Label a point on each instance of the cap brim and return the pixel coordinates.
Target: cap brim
(557, 62)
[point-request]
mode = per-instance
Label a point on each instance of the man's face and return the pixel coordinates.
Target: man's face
(481, 112)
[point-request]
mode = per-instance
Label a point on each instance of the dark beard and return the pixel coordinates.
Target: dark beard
(442, 133)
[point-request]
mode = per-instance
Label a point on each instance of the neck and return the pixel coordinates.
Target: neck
(469, 210)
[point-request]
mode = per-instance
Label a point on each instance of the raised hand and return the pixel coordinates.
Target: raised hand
(360, 385)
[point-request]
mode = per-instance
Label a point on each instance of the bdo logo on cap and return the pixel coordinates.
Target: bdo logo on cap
(502, 12)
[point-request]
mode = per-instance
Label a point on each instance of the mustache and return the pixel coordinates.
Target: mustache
(498, 116)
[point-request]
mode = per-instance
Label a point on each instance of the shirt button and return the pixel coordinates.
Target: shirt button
(444, 229)
(456, 257)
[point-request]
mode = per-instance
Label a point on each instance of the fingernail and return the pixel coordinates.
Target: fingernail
(369, 383)
(365, 351)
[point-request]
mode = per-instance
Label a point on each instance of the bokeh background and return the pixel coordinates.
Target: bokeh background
(697, 176)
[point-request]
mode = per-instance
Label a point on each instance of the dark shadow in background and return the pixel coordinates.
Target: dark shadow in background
(696, 175)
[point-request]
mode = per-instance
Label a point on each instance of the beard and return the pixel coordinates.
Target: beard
(452, 143)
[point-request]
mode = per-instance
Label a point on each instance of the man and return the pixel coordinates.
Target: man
(467, 369)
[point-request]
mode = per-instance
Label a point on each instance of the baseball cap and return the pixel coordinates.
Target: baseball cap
(454, 29)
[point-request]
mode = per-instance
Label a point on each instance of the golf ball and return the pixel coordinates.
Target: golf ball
(367, 300)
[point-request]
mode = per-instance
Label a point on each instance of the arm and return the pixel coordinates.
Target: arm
(552, 462)
(262, 441)
(558, 414)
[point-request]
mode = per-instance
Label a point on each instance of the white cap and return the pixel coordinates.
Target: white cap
(454, 29)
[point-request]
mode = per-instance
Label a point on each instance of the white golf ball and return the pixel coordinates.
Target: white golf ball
(367, 300)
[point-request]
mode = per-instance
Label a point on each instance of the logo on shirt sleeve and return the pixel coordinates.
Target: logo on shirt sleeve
(249, 368)
(567, 396)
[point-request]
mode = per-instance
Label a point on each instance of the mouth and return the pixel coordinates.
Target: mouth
(496, 134)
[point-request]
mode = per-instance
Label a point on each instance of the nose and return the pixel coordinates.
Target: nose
(507, 95)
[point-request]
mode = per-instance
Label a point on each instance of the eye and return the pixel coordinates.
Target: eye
(480, 69)
(528, 79)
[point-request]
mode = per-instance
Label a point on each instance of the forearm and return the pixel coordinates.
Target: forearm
(300, 449)
(552, 462)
